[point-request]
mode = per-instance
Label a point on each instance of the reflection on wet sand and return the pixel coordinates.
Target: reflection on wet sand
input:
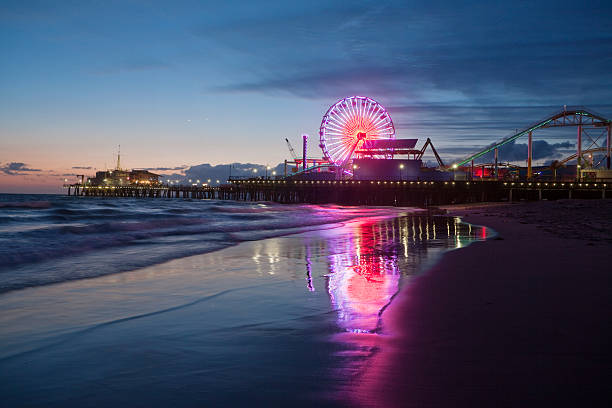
(362, 278)
(368, 266)
(364, 268)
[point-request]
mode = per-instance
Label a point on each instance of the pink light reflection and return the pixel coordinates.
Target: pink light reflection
(362, 281)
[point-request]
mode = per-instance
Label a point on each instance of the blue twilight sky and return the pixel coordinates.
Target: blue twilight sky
(182, 83)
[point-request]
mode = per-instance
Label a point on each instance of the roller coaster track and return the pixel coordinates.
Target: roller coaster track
(573, 156)
(569, 116)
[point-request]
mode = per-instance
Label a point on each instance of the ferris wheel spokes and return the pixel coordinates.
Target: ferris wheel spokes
(349, 123)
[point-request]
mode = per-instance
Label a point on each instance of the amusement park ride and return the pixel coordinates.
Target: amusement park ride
(357, 138)
(358, 141)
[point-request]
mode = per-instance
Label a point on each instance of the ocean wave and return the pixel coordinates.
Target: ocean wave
(72, 238)
(28, 205)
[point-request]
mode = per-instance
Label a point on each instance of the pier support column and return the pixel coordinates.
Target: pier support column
(496, 156)
(579, 150)
(472, 170)
(510, 196)
(529, 157)
(305, 151)
(608, 146)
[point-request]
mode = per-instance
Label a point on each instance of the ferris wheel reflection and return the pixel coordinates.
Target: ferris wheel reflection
(363, 277)
(366, 265)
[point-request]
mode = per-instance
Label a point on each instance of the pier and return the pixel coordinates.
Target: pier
(159, 191)
(366, 171)
(362, 192)
(406, 193)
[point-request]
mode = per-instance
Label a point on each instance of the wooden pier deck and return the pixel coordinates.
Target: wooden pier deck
(364, 192)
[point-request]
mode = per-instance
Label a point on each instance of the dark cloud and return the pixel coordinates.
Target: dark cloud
(515, 152)
(480, 52)
(16, 168)
(475, 127)
(333, 83)
(82, 167)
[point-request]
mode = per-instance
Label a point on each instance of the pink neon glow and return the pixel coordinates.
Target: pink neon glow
(349, 123)
(362, 281)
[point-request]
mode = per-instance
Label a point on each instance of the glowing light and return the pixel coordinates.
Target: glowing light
(401, 166)
(361, 282)
(349, 123)
(454, 166)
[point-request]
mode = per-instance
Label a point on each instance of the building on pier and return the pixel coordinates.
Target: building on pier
(118, 176)
(121, 177)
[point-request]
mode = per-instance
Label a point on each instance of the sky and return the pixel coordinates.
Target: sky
(184, 83)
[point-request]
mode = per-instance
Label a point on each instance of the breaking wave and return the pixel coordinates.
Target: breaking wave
(50, 239)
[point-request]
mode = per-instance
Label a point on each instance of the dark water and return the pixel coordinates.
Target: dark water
(289, 321)
(52, 238)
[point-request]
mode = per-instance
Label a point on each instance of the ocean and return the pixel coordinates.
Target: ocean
(172, 302)
(48, 239)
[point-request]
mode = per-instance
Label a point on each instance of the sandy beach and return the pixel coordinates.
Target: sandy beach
(519, 320)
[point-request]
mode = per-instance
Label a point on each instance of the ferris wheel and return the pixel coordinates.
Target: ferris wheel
(349, 123)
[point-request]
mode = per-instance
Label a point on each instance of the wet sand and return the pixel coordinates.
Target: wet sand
(523, 319)
(285, 321)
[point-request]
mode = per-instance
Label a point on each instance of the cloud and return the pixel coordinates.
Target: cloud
(478, 53)
(515, 152)
(16, 168)
(331, 83)
(82, 167)
(221, 172)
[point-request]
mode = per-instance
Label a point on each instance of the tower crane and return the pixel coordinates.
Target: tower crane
(291, 149)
